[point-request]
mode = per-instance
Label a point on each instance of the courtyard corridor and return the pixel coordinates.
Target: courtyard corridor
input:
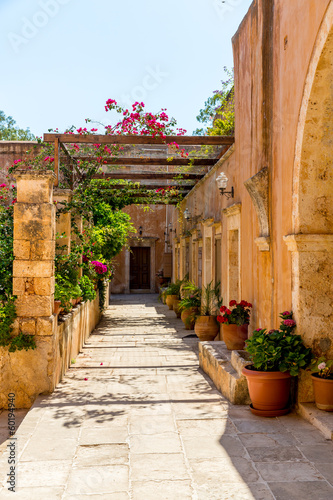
(135, 418)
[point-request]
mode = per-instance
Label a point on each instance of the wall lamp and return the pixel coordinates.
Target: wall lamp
(222, 181)
(187, 215)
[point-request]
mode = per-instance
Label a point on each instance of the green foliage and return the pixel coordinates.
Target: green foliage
(278, 350)
(218, 114)
(211, 299)
(65, 291)
(192, 296)
(6, 252)
(7, 317)
(10, 132)
(101, 287)
(111, 230)
(323, 367)
(174, 288)
(87, 288)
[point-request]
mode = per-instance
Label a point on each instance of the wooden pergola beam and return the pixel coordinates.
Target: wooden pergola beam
(147, 175)
(152, 161)
(182, 140)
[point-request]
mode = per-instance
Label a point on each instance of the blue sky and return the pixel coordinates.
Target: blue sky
(62, 59)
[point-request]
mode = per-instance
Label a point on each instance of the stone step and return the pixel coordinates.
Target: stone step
(224, 367)
(323, 420)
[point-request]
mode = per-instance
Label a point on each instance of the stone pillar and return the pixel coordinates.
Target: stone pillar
(78, 221)
(29, 373)
(34, 249)
(312, 296)
(63, 221)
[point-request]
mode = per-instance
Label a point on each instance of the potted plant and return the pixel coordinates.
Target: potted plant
(190, 304)
(172, 293)
(206, 327)
(87, 288)
(277, 356)
(235, 321)
(322, 379)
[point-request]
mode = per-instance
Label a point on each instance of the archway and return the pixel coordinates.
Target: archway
(312, 242)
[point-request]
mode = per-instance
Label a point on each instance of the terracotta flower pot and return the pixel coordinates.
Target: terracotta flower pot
(176, 307)
(206, 327)
(323, 392)
(170, 299)
(186, 313)
(57, 304)
(269, 391)
(234, 336)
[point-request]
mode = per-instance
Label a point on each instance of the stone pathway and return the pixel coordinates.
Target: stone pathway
(136, 419)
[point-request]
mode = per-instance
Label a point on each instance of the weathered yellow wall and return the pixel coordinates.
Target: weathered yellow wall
(273, 49)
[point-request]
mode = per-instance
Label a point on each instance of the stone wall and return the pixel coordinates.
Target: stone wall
(30, 373)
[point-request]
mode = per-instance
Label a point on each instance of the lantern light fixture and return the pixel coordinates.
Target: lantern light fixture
(222, 182)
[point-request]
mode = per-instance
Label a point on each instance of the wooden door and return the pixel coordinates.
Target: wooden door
(140, 268)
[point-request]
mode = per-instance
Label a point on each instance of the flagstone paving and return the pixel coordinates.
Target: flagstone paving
(135, 418)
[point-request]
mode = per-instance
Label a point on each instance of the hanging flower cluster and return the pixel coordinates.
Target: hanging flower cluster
(99, 267)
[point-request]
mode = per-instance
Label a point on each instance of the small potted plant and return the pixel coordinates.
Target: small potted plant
(322, 379)
(235, 321)
(190, 304)
(206, 327)
(277, 355)
(172, 293)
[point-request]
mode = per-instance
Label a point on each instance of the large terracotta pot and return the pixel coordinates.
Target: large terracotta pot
(206, 327)
(268, 390)
(176, 307)
(186, 313)
(169, 300)
(234, 336)
(323, 392)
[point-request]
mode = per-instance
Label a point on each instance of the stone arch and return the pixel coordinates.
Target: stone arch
(311, 245)
(314, 140)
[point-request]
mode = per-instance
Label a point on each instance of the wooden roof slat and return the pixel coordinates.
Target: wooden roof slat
(152, 161)
(183, 140)
(147, 175)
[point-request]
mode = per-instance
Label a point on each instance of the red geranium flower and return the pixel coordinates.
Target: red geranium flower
(232, 303)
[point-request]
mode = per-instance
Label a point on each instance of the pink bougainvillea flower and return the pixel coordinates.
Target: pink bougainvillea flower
(85, 378)
(101, 364)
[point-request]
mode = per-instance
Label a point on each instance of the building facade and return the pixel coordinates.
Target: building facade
(272, 243)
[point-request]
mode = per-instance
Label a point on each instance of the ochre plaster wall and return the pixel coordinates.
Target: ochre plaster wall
(272, 49)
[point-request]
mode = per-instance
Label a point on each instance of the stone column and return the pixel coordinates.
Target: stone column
(34, 249)
(32, 372)
(63, 221)
(312, 296)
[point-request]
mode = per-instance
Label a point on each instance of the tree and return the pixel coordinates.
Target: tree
(10, 132)
(218, 115)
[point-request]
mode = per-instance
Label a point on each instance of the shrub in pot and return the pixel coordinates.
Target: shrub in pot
(190, 304)
(172, 293)
(322, 379)
(206, 327)
(235, 321)
(277, 356)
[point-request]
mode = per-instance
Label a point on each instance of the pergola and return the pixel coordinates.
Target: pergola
(144, 160)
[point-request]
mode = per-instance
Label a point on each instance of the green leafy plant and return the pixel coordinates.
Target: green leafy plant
(238, 314)
(87, 288)
(278, 350)
(192, 296)
(174, 288)
(323, 367)
(211, 299)
(65, 290)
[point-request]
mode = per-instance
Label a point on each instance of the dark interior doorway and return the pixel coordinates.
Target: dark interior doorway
(140, 268)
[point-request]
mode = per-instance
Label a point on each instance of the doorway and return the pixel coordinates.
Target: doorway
(140, 268)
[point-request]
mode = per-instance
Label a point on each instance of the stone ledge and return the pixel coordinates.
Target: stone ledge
(224, 367)
(323, 420)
